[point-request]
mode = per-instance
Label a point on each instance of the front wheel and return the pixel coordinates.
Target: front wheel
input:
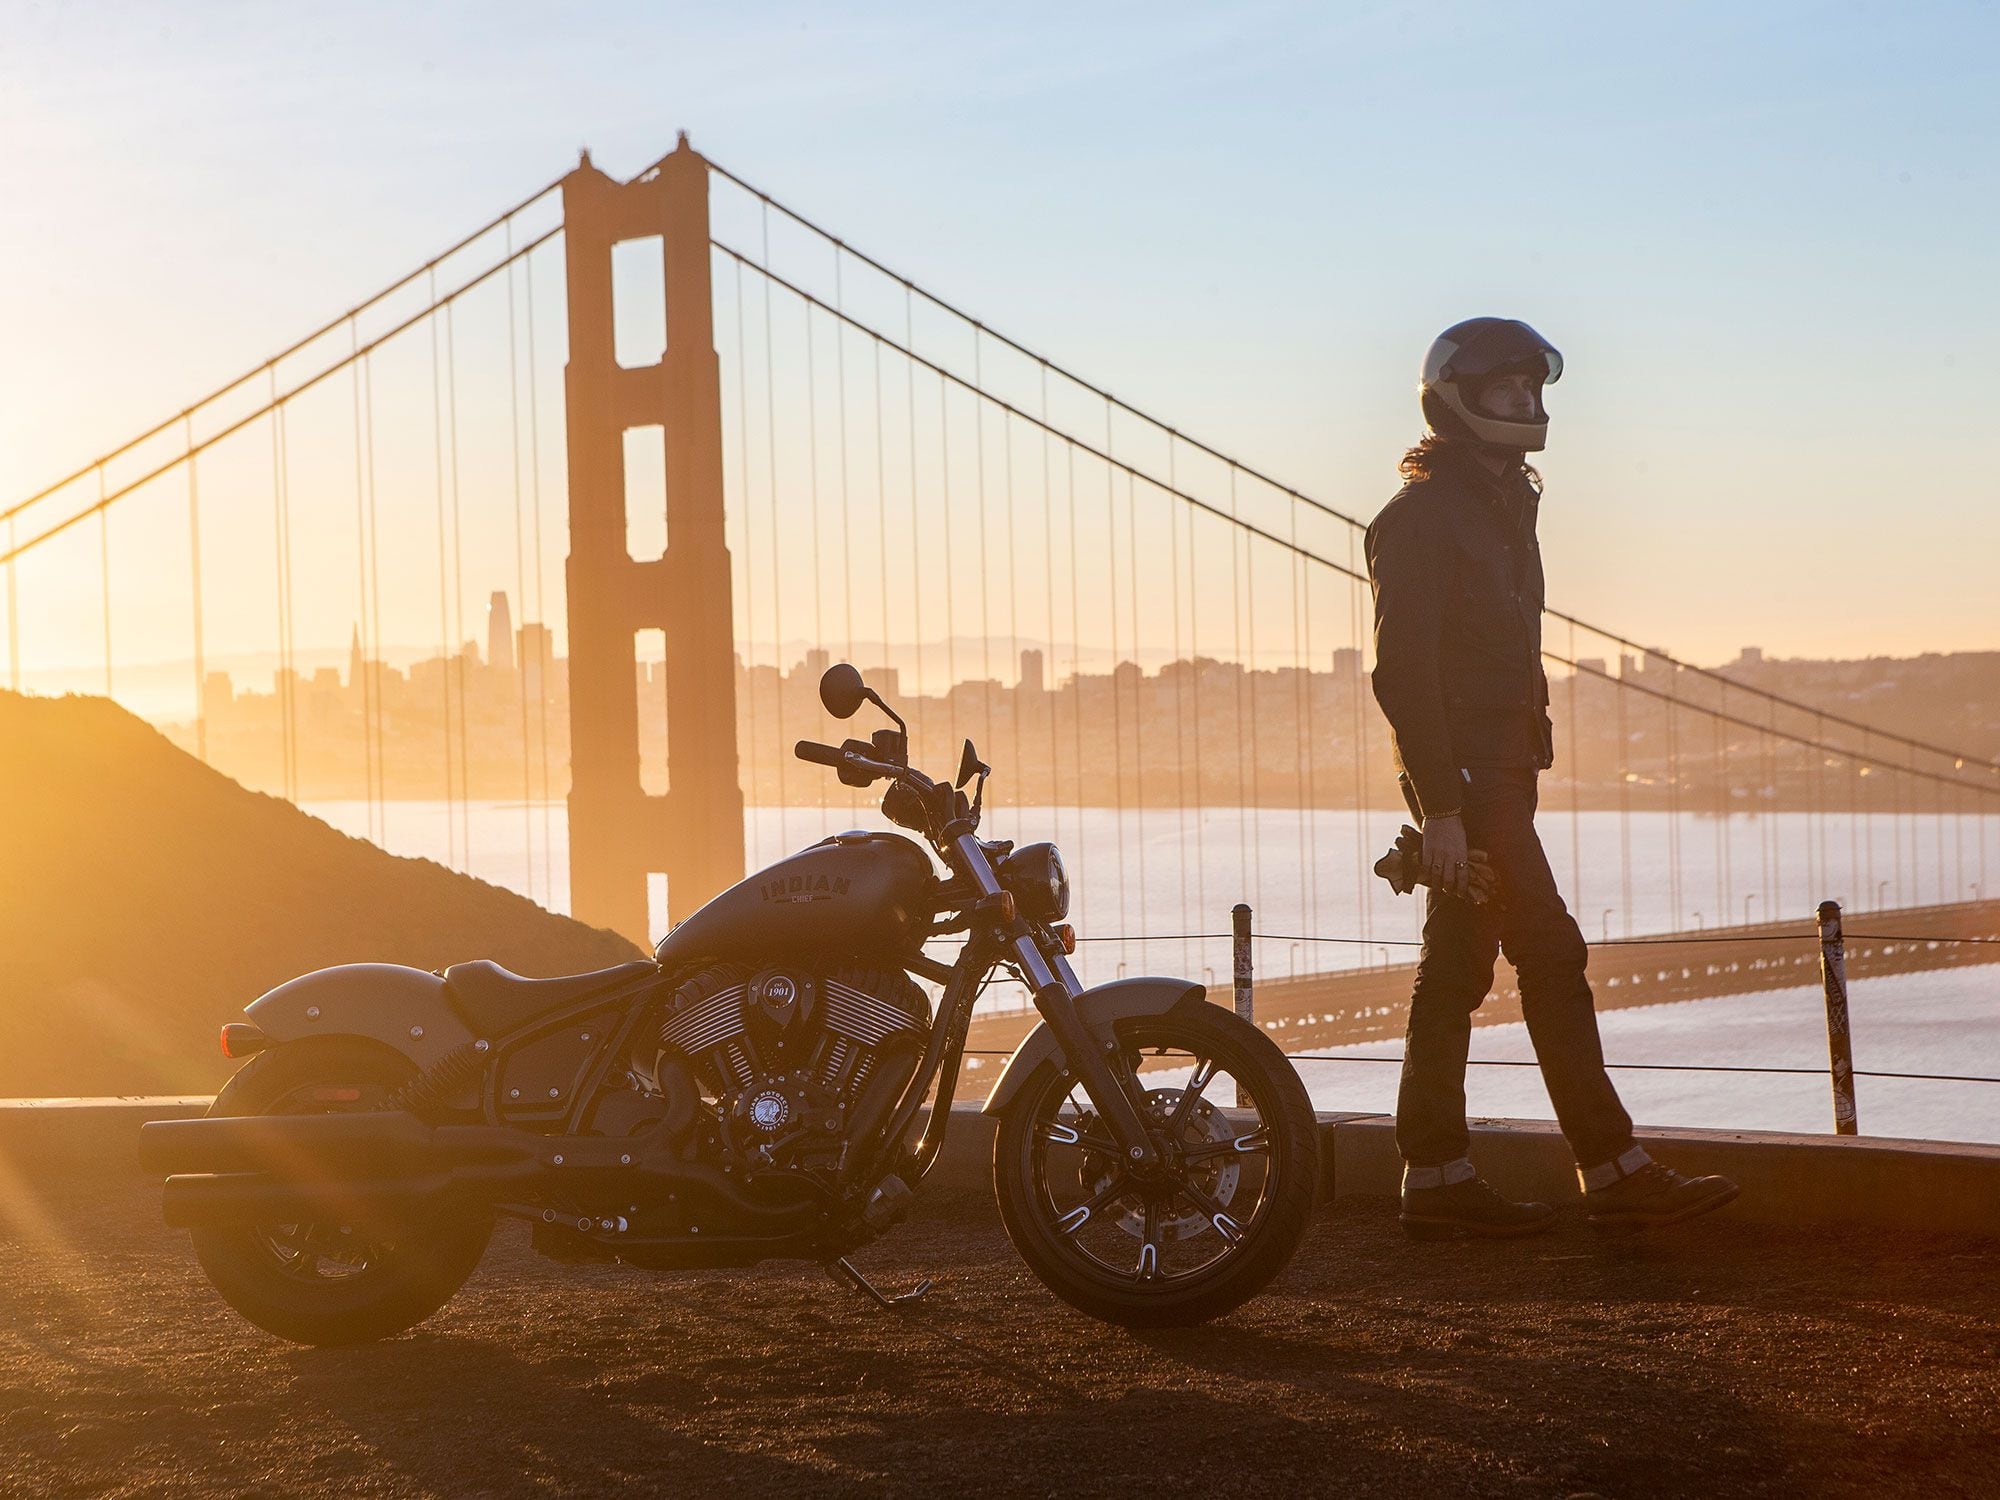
(328, 1283)
(1232, 1201)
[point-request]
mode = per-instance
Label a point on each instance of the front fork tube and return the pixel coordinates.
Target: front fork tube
(1090, 1062)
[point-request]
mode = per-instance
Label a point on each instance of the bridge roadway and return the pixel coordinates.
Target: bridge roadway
(1730, 1357)
(1342, 1007)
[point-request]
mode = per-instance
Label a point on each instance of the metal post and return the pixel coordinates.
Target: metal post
(1241, 971)
(1839, 1042)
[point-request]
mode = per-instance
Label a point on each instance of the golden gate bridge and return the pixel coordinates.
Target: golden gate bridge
(673, 408)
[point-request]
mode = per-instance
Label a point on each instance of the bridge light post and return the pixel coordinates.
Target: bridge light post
(1881, 894)
(1747, 899)
(1604, 923)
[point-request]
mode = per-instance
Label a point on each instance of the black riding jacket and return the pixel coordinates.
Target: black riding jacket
(1457, 576)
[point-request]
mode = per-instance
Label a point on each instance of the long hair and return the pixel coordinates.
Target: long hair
(1443, 445)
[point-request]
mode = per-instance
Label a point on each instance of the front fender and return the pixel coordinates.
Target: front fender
(401, 1007)
(1100, 1009)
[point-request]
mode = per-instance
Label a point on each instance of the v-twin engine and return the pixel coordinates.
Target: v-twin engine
(798, 1065)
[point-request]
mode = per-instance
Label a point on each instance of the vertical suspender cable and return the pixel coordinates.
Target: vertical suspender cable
(918, 684)
(104, 573)
(288, 636)
(1018, 782)
(754, 798)
(777, 534)
(1116, 680)
(846, 512)
(1624, 805)
(882, 506)
(545, 648)
(456, 664)
(1256, 708)
(374, 602)
(950, 612)
(1243, 840)
(1049, 697)
(1139, 715)
(981, 550)
(13, 613)
(1197, 722)
(1182, 665)
(452, 835)
(1575, 786)
(1302, 736)
(282, 681)
(520, 573)
(1357, 614)
(194, 579)
(812, 496)
(370, 678)
(1075, 657)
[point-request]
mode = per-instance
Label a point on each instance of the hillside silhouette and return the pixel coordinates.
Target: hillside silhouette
(145, 898)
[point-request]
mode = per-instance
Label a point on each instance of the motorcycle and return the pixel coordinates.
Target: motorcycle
(752, 1091)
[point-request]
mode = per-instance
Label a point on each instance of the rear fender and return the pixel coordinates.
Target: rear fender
(402, 1008)
(1100, 1009)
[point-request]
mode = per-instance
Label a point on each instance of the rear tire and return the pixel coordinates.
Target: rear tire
(1155, 1294)
(277, 1275)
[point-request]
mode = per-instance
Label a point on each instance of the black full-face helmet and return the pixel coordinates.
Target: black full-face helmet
(1468, 353)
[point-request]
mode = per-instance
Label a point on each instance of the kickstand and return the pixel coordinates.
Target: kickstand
(843, 1270)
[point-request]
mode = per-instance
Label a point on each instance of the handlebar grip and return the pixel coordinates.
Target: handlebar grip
(818, 754)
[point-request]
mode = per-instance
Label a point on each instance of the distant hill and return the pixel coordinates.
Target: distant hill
(145, 898)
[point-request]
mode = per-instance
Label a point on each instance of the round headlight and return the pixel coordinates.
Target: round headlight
(1035, 874)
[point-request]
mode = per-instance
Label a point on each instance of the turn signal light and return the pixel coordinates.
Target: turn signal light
(1066, 935)
(241, 1039)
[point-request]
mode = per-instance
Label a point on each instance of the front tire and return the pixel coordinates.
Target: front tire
(1217, 1228)
(323, 1283)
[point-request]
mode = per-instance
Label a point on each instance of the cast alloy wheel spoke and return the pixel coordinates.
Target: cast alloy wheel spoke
(1204, 1073)
(1058, 1134)
(1256, 1143)
(1230, 1230)
(1149, 1247)
(1077, 1217)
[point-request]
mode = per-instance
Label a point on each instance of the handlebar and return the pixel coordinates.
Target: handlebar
(818, 754)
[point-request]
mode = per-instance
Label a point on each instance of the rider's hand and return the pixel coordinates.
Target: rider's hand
(1445, 855)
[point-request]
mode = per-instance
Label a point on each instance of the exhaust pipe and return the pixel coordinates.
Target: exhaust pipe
(304, 1147)
(344, 1168)
(197, 1201)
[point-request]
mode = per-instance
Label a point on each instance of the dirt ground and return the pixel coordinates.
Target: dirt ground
(1724, 1358)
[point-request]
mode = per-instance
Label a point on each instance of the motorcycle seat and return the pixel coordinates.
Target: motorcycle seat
(495, 1001)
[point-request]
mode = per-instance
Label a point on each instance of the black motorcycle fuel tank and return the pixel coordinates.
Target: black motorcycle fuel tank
(856, 894)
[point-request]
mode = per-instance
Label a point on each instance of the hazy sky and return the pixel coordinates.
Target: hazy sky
(1764, 236)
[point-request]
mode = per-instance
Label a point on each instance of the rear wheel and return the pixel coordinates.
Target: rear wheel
(328, 1283)
(1240, 1177)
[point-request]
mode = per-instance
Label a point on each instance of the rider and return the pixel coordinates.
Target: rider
(1457, 578)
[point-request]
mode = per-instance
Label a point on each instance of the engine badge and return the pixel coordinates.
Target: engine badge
(770, 1110)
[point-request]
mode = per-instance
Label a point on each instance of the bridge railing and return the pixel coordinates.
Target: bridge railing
(1817, 953)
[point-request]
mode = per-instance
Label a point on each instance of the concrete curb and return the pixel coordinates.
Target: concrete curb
(1929, 1185)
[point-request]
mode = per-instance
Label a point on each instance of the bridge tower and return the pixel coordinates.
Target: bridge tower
(617, 833)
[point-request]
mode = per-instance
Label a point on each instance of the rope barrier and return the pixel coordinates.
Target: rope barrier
(1511, 1062)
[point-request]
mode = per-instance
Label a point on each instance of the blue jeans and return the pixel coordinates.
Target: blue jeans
(1455, 970)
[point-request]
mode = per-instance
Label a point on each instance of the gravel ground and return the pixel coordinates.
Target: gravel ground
(1722, 1358)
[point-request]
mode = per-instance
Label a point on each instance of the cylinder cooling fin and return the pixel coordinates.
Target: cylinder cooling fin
(737, 1026)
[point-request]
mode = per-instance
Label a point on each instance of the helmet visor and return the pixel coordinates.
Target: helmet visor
(1504, 346)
